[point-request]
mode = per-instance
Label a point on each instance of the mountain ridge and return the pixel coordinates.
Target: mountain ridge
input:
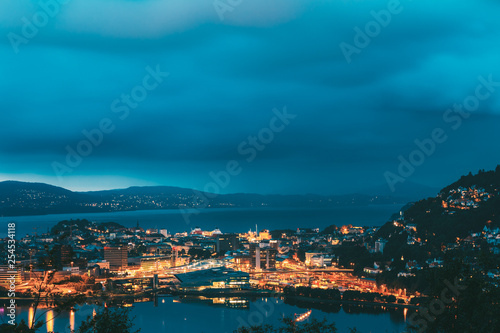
(466, 206)
(35, 198)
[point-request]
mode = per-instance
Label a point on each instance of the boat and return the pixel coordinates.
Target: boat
(302, 317)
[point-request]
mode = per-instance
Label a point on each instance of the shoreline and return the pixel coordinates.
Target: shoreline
(331, 301)
(239, 293)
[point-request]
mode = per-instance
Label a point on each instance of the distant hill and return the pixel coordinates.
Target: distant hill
(83, 225)
(143, 190)
(20, 198)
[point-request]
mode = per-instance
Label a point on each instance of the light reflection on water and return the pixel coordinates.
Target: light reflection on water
(191, 314)
(30, 316)
(50, 321)
(72, 320)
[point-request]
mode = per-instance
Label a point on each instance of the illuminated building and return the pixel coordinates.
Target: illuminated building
(262, 258)
(155, 263)
(379, 245)
(63, 254)
(5, 276)
(117, 256)
(265, 235)
(214, 278)
(196, 231)
(227, 242)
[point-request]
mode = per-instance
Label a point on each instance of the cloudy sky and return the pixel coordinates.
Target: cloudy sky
(359, 80)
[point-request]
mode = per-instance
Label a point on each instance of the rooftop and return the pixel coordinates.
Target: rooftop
(212, 274)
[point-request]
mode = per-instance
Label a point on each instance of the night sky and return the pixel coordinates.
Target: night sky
(357, 88)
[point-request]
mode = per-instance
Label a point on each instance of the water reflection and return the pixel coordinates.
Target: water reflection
(397, 315)
(72, 320)
(230, 302)
(30, 316)
(187, 313)
(50, 321)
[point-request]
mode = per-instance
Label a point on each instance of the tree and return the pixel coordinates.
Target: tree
(108, 320)
(20, 327)
(391, 299)
(475, 309)
(469, 303)
(138, 251)
(44, 291)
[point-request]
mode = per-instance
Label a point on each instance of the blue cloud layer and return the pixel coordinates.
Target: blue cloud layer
(353, 120)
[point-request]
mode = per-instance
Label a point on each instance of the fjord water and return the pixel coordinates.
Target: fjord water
(226, 219)
(170, 314)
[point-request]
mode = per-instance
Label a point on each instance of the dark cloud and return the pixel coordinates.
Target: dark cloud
(353, 120)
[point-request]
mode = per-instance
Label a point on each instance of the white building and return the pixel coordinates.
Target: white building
(380, 245)
(73, 270)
